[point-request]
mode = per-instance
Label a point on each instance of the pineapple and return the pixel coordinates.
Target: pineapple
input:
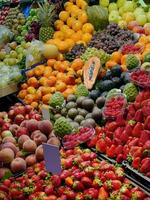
(46, 14)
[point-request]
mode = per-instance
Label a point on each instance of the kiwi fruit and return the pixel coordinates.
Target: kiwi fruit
(70, 105)
(82, 112)
(80, 100)
(88, 104)
(79, 118)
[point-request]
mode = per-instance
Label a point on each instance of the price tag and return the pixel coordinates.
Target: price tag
(52, 158)
(45, 112)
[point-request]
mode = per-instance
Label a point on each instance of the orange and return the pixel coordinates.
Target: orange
(58, 24)
(116, 56)
(60, 57)
(33, 82)
(75, 37)
(39, 93)
(53, 89)
(47, 71)
(51, 81)
(46, 98)
(124, 68)
(69, 33)
(77, 64)
(70, 43)
(39, 70)
(77, 25)
(70, 21)
(143, 39)
(43, 81)
(30, 73)
(56, 65)
(123, 60)
(64, 29)
(63, 46)
(88, 28)
(22, 94)
(109, 64)
(67, 92)
(59, 35)
(82, 17)
(29, 98)
(24, 86)
(75, 13)
(46, 90)
(86, 37)
(63, 16)
(34, 104)
(31, 90)
(60, 86)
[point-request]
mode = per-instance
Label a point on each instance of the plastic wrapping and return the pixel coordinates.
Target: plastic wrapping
(34, 53)
(5, 35)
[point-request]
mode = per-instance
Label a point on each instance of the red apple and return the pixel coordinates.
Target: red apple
(18, 119)
(28, 109)
(22, 139)
(9, 145)
(39, 153)
(13, 128)
(32, 125)
(9, 139)
(6, 155)
(29, 146)
(39, 138)
(31, 160)
(45, 127)
(22, 131)
(18, 165)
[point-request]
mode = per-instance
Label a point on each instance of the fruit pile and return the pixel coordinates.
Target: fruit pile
(96, 180)
(128, 139)
(72, 26)
(22, 133)
(111, 39)
(3, 14)
(44, 80)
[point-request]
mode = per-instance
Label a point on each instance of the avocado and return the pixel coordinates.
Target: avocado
(71, 97)
(116, 71)
(79, 101)
(107, 76)
(79, 119)
(70, 105)
(100, 101)
(72, 113)
(64, 111)
(89, 123)
(82, 112)
(116, 81)
(89, 115)
(94, 94)
(88, 104)
(125, 76)
(106, 85)
(75, 125)
(96, 114)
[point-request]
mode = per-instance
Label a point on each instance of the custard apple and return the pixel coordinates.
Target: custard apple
(62, 127)
(57, 100)
(130, 91)
(113, 92)
(81, 90)
(132, 61)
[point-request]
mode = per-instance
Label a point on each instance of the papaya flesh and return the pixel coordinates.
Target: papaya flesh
(90, 71)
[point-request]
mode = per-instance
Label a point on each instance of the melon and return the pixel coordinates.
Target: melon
(50, 51)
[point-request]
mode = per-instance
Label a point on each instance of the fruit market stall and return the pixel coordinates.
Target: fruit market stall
(75, 100)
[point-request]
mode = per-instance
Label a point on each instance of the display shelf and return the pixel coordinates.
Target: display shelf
(9, 89)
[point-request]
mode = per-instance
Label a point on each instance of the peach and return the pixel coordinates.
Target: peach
(13, 128)
(6, 155)
(31, 160)
(11, 146)
(28, 109)
(39, 153)
(11, 114)
(6, 133)
(39, 138)
(32, 125)
(29, 146)
(18, 119)
(18, 165)
(54, 141)
(45, 126)
(22, 139)
(9, 139)
(3, 171)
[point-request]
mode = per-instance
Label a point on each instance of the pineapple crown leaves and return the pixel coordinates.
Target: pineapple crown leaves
(46, 13)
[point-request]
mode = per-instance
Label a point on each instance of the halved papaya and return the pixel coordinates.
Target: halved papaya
(90, 71)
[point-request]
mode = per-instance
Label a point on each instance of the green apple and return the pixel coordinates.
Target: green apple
(19, 49)
(114, 16)
(112, 6)
(141, 19)
(2, 54)
(104, 3)
(120, 3)
(148, 16)
(11, 61)
(128, 17)
(129, 6)
(121, 11)
(13, 54)
(23, 44)
(138, 11)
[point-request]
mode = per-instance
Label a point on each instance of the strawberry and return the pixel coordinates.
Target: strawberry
(101, 145)
(92, 142)
(119, 158)
(136, 162)
(56, 181)
(110, 151)
(87, 182)
(110, 175)
(102, 195)
(61, 190)
(78, 186)
(79, 196)
(138, 195)
(145, 135)
(136, 132)
(116, 184)
(85, 156)
(125, 190)
(89, 171)
(51, 197)
(97, 182)
(65, 174)
(136, 151)
(147, 123)
(138, 116)
(111, 126)
(145, 165)
(70, 195)
(133, 142)
(124, 137)
(119, 149)
(119, 173)
(91, 193)
(49, 189)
